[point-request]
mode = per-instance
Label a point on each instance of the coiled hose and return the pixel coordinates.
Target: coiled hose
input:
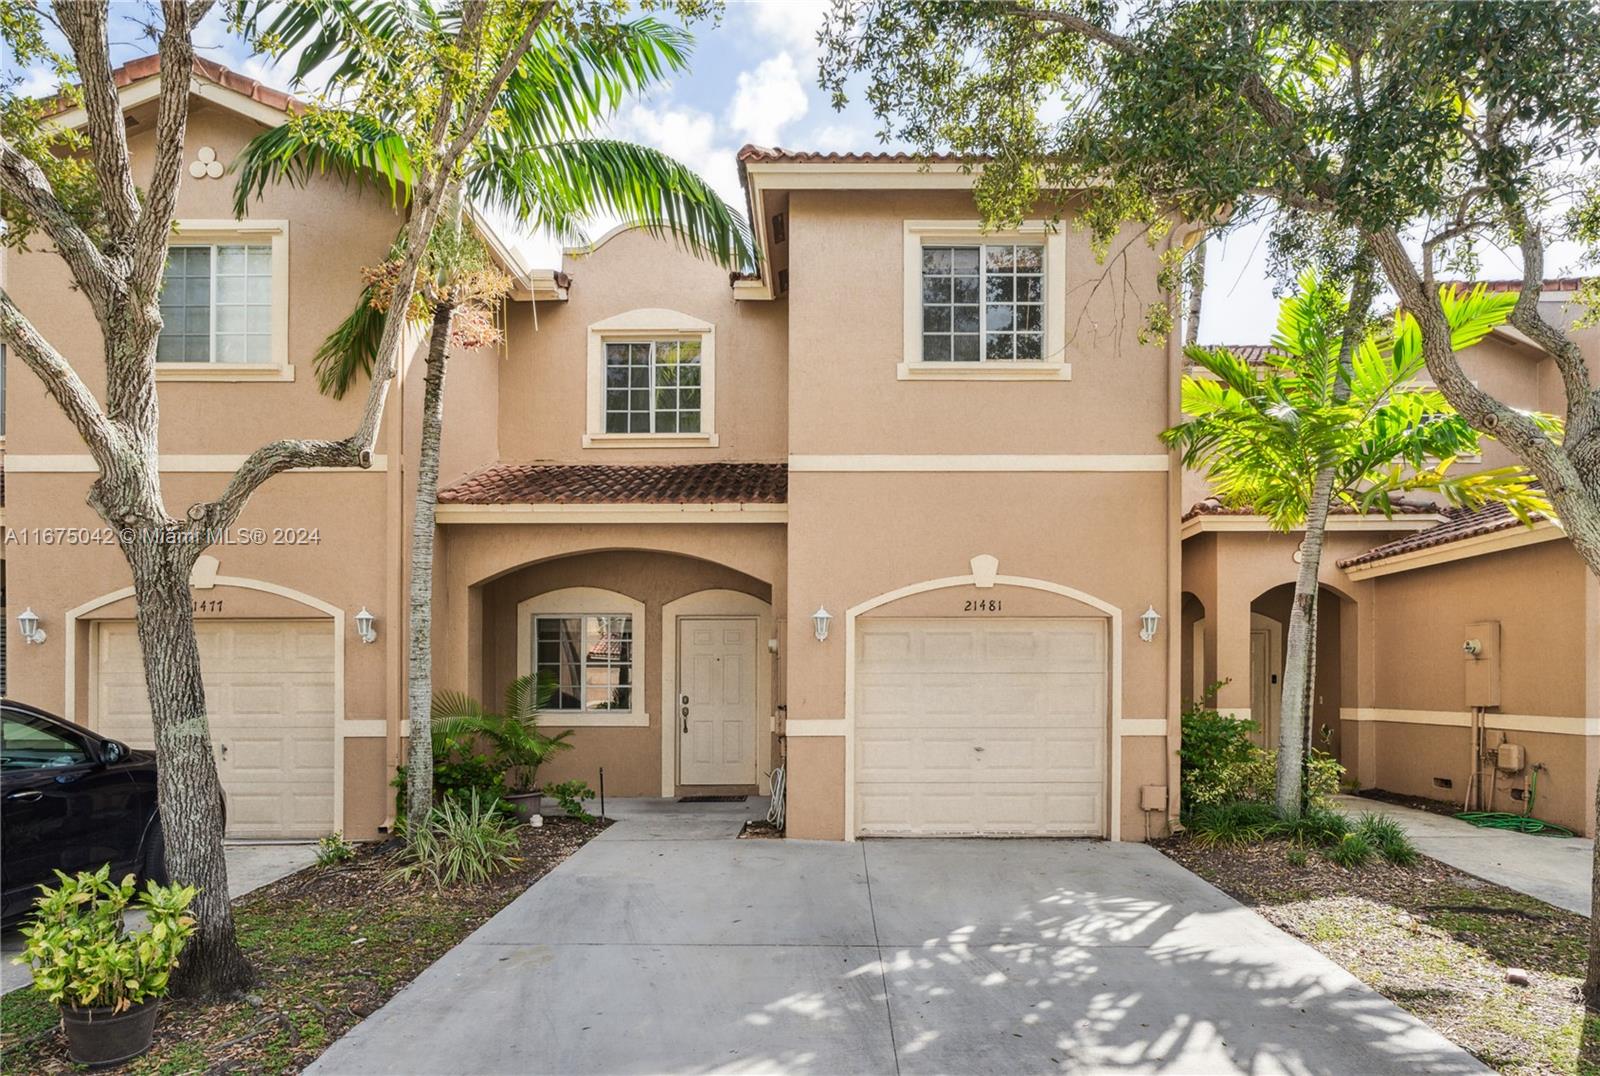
(775, 812)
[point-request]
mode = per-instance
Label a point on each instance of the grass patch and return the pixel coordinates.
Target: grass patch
(329, 945)
(1432, 939)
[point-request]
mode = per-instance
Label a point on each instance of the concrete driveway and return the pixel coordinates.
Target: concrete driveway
(666, 946)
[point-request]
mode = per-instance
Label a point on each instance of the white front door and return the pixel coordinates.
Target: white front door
(716, 703)
(269, 702)
(981, 728)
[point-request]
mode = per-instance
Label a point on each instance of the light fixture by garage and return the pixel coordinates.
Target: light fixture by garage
(28, 625)
(366, 626)
(1149, 620)
(820, 621)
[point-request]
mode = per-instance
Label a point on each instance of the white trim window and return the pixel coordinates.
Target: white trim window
(216, 304)
(653, 386)
(225, 303)
(588, 659)
(590, 643)
(652, 381)
(983, 302)
(984, 306)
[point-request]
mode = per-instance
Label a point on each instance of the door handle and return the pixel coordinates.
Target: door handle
(685, 713)
(26, 797)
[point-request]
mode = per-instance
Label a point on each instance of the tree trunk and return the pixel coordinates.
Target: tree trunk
(419, 677)
(1292, 722)
(1197, 287)
(189, 793)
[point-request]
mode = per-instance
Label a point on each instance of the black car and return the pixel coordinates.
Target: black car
(72, 800)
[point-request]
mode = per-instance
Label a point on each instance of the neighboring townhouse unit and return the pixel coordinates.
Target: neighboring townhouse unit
(1397, 698)
(890, 513)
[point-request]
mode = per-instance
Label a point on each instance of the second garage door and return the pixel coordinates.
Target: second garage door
(269, 698)
(974, 728)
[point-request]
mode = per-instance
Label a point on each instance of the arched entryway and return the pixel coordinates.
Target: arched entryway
(1269, 628)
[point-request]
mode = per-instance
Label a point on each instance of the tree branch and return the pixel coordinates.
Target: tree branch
(1481, 410)
(1569, 360)
(25, 181)
(172, 117)
(61, 381)
(85, 28)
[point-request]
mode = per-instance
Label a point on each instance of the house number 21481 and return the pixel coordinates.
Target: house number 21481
(981, 605)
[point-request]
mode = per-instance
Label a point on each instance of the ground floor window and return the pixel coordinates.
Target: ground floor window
(589, 659)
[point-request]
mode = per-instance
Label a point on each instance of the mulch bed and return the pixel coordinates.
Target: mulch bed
(758, 829)
(1434, 940)
(329, 944)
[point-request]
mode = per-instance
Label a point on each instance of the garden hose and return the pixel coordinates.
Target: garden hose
(1518, 823)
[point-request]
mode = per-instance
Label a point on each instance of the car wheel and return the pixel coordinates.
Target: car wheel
(155, 854)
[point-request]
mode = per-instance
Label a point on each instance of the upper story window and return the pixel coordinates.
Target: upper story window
(652, 381)
(216, 304)
(983, 302)
(225, 303)
(653, 386)
(982, 306)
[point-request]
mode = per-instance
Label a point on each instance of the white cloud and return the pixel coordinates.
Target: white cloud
(767, 98)
(37, 82)
(792, 24)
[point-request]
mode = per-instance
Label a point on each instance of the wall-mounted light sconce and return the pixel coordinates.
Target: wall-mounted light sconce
(28, 625)
(1149, 620)
(367, 626)
(820, 620)
(772, 646)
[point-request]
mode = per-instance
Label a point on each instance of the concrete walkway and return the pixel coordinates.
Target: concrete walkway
(1556, 870)
(250, 866)
(666, 946)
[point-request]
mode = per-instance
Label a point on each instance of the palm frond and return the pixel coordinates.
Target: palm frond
(359, 150)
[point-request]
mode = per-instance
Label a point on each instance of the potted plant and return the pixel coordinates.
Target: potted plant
(108, 981)
(519, 747)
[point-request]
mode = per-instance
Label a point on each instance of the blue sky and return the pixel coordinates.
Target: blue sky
(753, 79)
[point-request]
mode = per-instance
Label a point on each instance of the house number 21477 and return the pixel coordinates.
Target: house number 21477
(981, 605)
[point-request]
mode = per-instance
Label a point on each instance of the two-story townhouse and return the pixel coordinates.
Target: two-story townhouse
(890, 513)
(1398, 697)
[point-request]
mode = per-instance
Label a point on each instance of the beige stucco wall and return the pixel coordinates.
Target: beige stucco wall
(542, 403)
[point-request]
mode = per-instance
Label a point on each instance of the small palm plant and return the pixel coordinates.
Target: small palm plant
(1305, 429)
(513, 734)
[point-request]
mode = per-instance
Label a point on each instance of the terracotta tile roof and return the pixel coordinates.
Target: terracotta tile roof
(1463, 524)
(146, 66)
(692, 483)
(754, 154)
(1399, 505)
(1560, 283)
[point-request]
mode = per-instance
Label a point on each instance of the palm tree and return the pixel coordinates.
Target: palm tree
(513, 733)
(541, 165)
(1306, 430)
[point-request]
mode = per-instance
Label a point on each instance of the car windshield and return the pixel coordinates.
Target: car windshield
(31, 743)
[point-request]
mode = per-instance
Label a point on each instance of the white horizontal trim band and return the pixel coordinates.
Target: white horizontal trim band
(1567, 726)
(948, 463)
(1142, 726)
(812, 727)
(612, 513)
(371, 726)
(201, 463)
(1211, 523)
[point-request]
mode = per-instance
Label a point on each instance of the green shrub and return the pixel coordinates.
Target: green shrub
(1297, 857)
(1387, 836)
(571, 794)
(1239, 822)
(1352, 850)
(83, 957)
(334, 849)
(1317, 827)
(1213, 747)
(462, 844)
(459, 777)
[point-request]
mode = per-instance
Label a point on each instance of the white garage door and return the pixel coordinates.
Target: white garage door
(971, 728)
(269, 697)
